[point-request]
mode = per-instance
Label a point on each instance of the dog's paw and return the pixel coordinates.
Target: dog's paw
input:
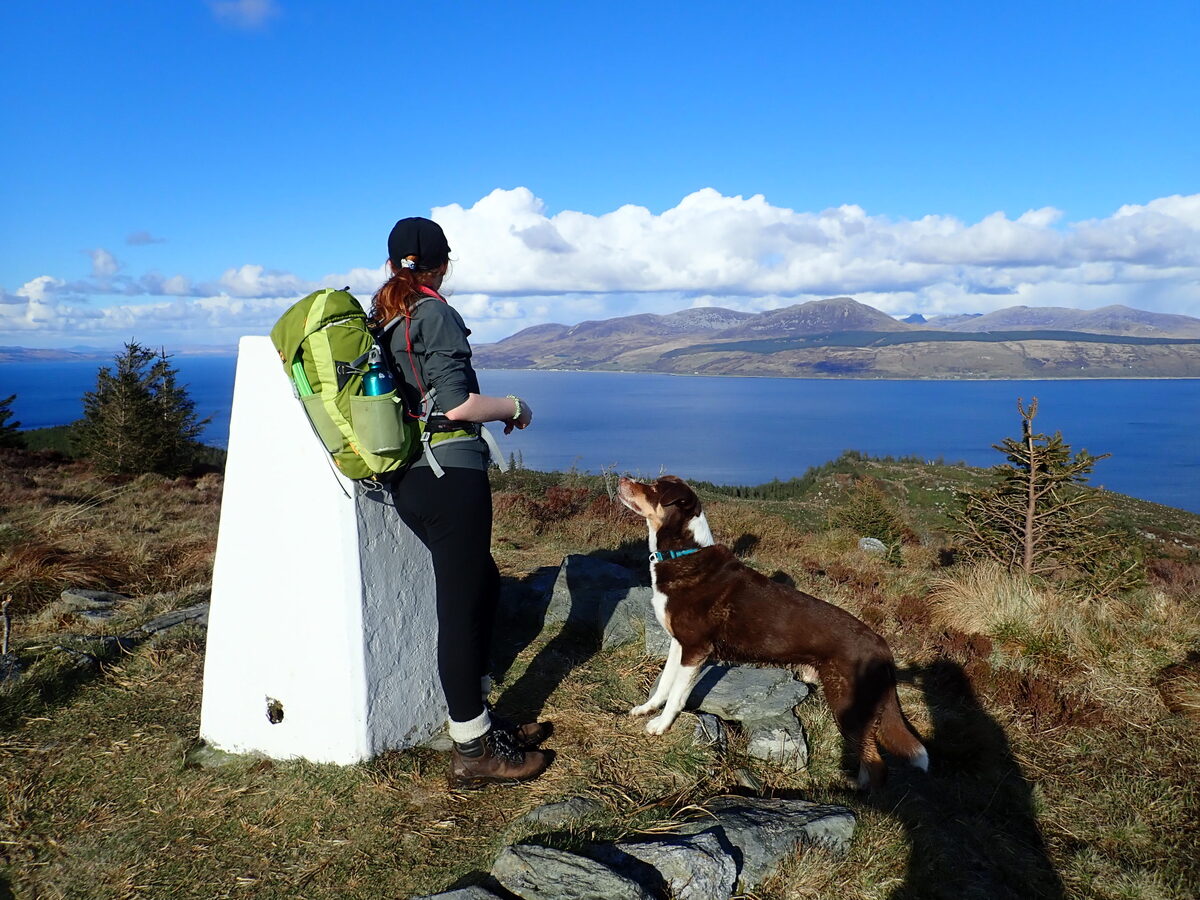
(644, 710)
(659, 724)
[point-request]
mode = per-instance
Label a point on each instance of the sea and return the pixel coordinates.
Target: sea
(734, 430)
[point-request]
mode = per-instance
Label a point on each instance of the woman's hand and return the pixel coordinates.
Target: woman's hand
(521, 420)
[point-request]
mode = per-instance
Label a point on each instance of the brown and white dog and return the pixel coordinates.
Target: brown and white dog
(714, 606)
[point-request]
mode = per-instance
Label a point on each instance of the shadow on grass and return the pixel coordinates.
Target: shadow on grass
(971, 822)
(57, 675)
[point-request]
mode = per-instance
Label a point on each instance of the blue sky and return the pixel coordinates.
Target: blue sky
(180, 171)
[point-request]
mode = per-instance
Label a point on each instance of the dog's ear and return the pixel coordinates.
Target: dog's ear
(673, 491)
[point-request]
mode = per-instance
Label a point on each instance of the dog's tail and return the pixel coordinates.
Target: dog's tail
(897, 736)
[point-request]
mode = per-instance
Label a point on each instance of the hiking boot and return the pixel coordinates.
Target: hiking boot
(494, 759)
(526, 736)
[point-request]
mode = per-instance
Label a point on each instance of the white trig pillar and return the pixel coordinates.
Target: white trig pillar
(322, 631)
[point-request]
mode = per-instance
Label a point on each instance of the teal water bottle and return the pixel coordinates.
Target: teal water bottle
(377, 381)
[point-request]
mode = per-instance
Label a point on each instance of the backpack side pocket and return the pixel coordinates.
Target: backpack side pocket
(331, 436)
(378, 422)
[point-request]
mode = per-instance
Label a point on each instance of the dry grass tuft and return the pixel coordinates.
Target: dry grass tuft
(35, 572)
(984, 597)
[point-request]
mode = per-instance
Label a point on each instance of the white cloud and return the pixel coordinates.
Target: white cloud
(104, 264)
(40, 289)
(516, 264)
(246, 14)
(255, 281)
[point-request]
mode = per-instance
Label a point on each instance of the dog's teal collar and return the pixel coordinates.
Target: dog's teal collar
(658, 556)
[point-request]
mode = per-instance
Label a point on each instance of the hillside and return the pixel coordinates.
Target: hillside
(1114, 320)
(842, 337)
(593, 343)
(1058, 722)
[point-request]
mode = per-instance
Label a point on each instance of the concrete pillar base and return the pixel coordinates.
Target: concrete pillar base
(322, 631)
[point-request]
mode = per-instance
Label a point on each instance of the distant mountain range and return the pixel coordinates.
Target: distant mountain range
(838, 337)
(842, 337)
(86, 354)
(1116, 320)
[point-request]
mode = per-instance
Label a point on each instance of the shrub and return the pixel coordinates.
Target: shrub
(869, 512)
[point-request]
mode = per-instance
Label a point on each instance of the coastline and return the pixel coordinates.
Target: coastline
(857, 377)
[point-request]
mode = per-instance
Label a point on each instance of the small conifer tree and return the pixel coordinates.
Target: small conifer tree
(1036, 517)
(9, 435)
(139, 418)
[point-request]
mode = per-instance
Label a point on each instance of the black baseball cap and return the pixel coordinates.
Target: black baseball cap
(422, 238)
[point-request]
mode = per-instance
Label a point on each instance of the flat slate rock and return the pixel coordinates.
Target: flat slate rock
(779, 741)
(763, 832)
(75, 599)
(689, 867)
(542, 873)
(599, 597)
(440, 742)
(564, 813)
(582, 578)
(710, 732)
(658, 641)
(743, 693)
(197, 615)
(96, 615)
(474, 892)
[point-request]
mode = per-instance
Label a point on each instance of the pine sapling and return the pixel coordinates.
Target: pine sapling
(1037, 517)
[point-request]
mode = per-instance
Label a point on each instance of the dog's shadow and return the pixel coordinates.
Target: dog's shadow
(521, 620)
(971, 821)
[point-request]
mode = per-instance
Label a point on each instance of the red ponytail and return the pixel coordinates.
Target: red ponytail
(393, 297)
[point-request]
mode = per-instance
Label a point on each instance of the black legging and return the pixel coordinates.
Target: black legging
(452, 516)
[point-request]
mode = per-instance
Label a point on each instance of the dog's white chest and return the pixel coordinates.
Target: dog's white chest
(657, 599)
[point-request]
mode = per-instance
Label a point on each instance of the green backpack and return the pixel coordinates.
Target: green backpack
(325, 343)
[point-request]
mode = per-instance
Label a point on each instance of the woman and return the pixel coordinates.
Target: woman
(447, 501)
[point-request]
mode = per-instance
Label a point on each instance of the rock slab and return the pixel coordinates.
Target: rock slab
(872, 545)
(564, 813)
(779, 741)
(658, 641)
(692, 867)
(474, 892)
(599, 597)
(764, 832)
(196, 615)
(542, 873)
(710, 732)
(80, 599)
(742, 693)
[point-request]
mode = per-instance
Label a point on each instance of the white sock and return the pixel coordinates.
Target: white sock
(462, 732)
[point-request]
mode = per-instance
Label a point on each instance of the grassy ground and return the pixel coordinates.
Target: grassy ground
(1062, 728)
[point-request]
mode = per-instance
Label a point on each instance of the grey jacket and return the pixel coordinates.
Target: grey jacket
(433, 354)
